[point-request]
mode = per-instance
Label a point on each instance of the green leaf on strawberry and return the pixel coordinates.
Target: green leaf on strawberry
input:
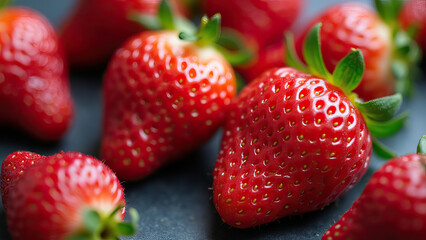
(208, 33)
(421, 147)
(347, 75)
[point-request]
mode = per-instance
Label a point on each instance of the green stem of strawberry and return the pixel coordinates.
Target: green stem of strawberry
(347, 75)
(98, 226)
(208, 33)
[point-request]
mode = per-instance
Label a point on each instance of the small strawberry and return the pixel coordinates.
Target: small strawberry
(164, 96)
(12, 169)
(413, 14)
(261, 21)
(98, 27)
(294, 142)
(34, 88)
(392, 205)
(388, 51)
(64, 196)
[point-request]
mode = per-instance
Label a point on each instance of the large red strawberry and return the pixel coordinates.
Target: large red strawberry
(34, 88)
(413, 14)
(64, 196)
(388, 52)
(294, 142)
(98, 27)
(392, 205)
(163, 97)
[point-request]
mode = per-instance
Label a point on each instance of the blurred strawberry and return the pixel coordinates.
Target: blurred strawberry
(165, 94)
(34, 89)
(388, 52)
(413, 14)
(98, 27)
(392, 205)
(262, 22)
(64, 196)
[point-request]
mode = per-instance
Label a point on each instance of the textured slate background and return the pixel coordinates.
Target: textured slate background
(175, 203)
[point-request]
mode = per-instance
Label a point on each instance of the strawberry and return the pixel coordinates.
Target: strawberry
(413, 14)
(163, 97)
(97, 28)
(294, 141)
(354, 25)
(392, 205)
(34, 88)
(12, 169)
(262, 22)
(64, 196)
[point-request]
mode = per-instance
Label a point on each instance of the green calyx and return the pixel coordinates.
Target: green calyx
(406, 53)
(230, 45)
(378, 113)
(106, 227)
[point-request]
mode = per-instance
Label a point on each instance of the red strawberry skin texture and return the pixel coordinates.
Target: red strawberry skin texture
(354, 25)
(163, 97)
(414, 13)
(97, 28)
(34, 87)
(13, 167)
(293, 143)
(261, 21)
(392, 205)
(48, 200)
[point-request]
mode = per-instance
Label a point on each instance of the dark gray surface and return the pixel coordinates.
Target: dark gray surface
(175, 203)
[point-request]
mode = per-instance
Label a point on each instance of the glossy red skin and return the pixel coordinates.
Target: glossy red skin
(263, 22)
(34, 87)
(97, 28)
(150, 117)
(414, 13)
(267, 58)
(355, 25)
(13, 167)
(48, 200)
(274, 143)
(392, 205)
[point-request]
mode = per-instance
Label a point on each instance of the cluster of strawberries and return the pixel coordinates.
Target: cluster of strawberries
(297, 137)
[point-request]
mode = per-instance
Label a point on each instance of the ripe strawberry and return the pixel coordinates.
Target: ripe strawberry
(392, 205)
(354, 25)
(262, 22)
(13, 167)
(163, 97)
(414, 14)
(294, 142)
(98, 27)
(34, 88)
(64, 196)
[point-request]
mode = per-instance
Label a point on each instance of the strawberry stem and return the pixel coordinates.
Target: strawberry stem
(98, 226)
